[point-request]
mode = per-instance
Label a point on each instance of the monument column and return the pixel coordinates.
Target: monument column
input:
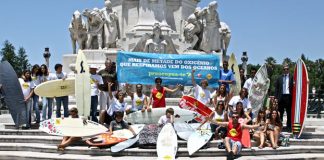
(47, 55)
(150, 12)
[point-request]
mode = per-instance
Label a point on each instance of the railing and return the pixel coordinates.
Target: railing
(315, 104)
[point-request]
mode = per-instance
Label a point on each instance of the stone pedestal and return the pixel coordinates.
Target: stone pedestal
(96, 57)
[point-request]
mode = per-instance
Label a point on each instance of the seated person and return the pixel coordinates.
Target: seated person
(139, 100)
(68, 140)
(274, 127)
(119, 123)
(167, 118)
(259, 133)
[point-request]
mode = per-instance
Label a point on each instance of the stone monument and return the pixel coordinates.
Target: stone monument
(159, 26)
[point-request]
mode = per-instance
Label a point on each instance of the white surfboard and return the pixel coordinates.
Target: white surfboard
(232, 65)
(184, 130)
(125, 144)
(167, 143)
(259, 89)
(126, 133)
(139, 117)
(73, 127)
(82, 85)
(56, 88)
(198, 139)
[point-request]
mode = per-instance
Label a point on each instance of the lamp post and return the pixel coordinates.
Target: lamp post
(47, 55)
(244, 59)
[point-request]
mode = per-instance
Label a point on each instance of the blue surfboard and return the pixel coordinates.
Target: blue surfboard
(12, 93)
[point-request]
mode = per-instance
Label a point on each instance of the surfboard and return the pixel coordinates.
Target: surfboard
(232, 64)
(139, 117)
(82, 85)
(12, 93)
(72, 127)
(184, 130)
(107, 138)
(167, 143)
(201, 110)
(259, 89)
(299, 98)
(129, 142)
(56, 88)
(198, 139)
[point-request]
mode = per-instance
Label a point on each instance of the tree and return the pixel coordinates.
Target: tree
(270, 60)
(8, 54)
(22, 61)
(287, 61)
(18, 62)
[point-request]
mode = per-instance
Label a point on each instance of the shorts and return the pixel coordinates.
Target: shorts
(237, 143)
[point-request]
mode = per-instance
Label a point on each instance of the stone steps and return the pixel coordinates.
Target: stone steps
(182, 152)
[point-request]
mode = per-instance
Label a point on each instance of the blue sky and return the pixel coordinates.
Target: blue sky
(263, 28)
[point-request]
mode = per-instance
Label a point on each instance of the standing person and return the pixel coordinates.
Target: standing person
(64, 99)
(234, 135)
(96, 84)
(242, 77)
(157, 97)
(108, 75)
(226, 76)
(248, 82)
(139, 100)
(28, 89)
(283, 92)
(35, 74)
(201, 93)
(117, 103)
(47, 103)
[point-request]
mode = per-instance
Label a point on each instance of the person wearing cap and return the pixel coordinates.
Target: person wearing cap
(283, 92)
(96, 85)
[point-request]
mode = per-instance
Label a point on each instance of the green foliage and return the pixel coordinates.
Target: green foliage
(18, 61)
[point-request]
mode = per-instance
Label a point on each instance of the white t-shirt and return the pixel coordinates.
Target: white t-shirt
(137, 102)
(43, 79)
(35, 80)
(164, 120)
(115, 105)
(94, 87)
(248, 84)
(26, 87)
(245, 101)
(203, 95)
(54, 76)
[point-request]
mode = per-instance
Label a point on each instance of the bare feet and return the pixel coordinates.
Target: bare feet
(260, 147)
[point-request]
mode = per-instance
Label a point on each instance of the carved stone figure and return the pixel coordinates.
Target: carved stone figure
(156, 42)
(225, 36)
(94, 27)
(192, 29)
(111, 26)
(152, 11)
(211, 37)
(78, 31)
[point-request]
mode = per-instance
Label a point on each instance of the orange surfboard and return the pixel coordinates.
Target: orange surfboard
(104, 139)
(190, 103)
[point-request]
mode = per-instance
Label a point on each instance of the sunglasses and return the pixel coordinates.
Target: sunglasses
(235, 117)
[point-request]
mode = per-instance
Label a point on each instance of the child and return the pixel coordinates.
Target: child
(119, 123)
(167, 118)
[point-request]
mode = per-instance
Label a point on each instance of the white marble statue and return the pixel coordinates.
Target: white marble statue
(111, 26)
(211, 38)
(192, 29)
(78, 31)
(156, 42)
(94, 27)
(225, 36)
(152, 10)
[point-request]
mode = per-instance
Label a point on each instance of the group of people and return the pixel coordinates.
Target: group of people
(231, 113)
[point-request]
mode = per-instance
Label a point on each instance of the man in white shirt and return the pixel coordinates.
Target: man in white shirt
(248, 82)
(201, 93)
(96, 82)
(59, 100)
(243, 97)
(283, 92)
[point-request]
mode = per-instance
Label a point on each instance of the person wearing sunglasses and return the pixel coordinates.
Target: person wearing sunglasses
(283, 92)
(233, 139)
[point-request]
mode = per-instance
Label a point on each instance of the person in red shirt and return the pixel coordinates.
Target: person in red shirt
(157, 96)
(234, 135)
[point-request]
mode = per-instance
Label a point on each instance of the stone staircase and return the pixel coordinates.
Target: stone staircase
(34, 144)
